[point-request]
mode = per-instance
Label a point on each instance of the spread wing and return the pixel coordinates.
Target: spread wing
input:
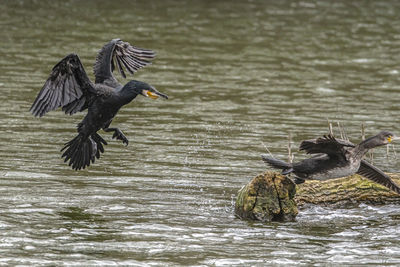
(120, 55)
(327, 145)
(374, 174)
(68, 87)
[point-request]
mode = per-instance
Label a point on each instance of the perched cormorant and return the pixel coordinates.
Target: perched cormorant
(70, 88)
(337, 158)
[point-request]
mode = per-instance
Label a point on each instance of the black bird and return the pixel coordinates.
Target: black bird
(70, 88)
(337, 158)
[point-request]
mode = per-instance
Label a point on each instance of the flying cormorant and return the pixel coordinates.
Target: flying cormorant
(70, 88)
(337, 158)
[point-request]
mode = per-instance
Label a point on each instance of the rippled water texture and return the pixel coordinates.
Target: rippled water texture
(239, 74)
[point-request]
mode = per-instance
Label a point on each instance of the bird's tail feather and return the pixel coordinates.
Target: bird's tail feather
(81, 151)
(99, 142)
(278, 164)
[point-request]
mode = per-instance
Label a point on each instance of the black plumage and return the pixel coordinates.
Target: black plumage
(69, 87)
(334, 158)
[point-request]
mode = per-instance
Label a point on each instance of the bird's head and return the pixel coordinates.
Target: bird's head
(144, 89)
(385, 137)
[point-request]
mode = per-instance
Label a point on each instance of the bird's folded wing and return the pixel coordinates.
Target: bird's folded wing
(374, 174)
(121, 55)
(68, 86)
(327, 145)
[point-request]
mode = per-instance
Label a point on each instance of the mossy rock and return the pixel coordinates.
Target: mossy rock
(267, 197)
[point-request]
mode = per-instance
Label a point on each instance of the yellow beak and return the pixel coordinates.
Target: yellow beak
(152, 95)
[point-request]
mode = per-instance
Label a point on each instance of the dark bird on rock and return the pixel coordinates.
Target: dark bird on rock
(336, 158)
(70, 88)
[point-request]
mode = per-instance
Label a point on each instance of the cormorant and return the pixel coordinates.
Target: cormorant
(70, 88)
(337, 158)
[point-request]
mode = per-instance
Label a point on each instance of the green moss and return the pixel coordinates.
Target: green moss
(351, 189)
(269, 196)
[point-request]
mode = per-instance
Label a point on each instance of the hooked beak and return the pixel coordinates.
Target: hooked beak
(393, 138)
(155, 94)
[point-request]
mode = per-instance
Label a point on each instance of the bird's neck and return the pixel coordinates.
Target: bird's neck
(362, 148)
(127, 94)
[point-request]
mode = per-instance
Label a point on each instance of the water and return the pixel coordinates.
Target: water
(239, 74)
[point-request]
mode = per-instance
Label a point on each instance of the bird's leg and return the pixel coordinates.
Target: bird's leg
(117, 134)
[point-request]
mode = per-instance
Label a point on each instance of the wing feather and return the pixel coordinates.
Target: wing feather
(126, 65)
(72, 90)
(374, 174)
(121, 70)
(327, 145)
(42, 104)
(68, 82)
(66, 94)
(55, 99)
(121, 55)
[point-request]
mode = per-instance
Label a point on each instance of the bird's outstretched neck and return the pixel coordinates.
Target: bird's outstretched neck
(362, 148)
(383, 138)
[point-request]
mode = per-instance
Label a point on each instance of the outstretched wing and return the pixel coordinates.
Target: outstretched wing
(120, 55)
(374, 174)
(327, 145)
(68, 86)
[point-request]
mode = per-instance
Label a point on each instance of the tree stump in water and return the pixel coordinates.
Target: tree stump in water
(267, 197)
(271, 196)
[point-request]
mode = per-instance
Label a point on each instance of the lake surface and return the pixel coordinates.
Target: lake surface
(241, 75)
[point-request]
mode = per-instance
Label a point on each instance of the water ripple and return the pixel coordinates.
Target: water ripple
(238, 76)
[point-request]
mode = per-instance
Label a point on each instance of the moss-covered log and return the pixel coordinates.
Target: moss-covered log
(271, 196)
(351, 189)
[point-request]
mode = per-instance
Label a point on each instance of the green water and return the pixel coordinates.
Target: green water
(239, 74)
